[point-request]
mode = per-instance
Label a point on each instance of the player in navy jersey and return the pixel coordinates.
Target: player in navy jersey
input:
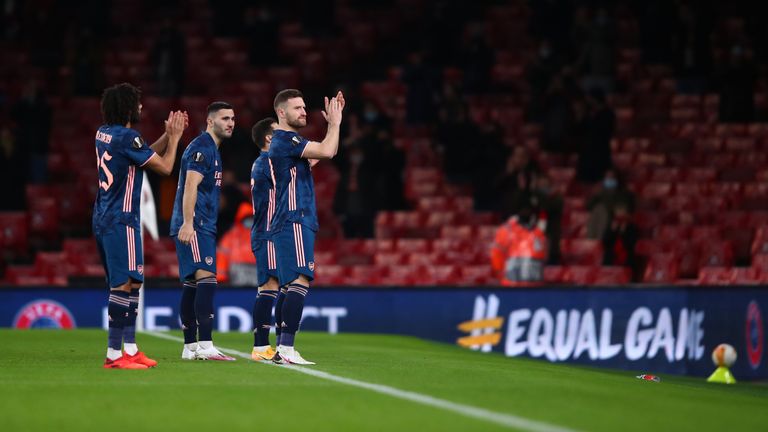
(121, 156)
(193, 228)
(294, 223)
(263, 200)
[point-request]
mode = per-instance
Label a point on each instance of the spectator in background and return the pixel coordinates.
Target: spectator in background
(476, 59)
(454, 132)
(737, 87)
(12, 171)
(515, 186)
(557, 117)
(540, 71)
(602, 206)
(32, 115)
(596, 60)
(230, 198)
(421, 85)
(168, 59)
(620, 238)
(235, 261)
(598, 127)
(490, 164)
(356, 194)
(550, 205)
(520, 248)
(261, 28)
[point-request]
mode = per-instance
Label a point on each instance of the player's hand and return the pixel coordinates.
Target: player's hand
(333, 113)
(186, 232)
(175, 125)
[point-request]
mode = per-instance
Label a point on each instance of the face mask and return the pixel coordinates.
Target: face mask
(248, 222)
(610, 183)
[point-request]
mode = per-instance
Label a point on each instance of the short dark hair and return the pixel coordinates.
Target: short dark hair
(286, 94)
(260, 130)
(120, 104)
(218, 106)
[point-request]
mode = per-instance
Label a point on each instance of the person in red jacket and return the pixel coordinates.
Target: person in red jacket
(520, 249)
(236, 264)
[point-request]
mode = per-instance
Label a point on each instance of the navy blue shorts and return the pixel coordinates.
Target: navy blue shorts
(266, 261)
(122, 255)
(295, 247)
(199, 254)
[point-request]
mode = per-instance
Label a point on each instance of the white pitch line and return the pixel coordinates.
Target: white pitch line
(508, 420)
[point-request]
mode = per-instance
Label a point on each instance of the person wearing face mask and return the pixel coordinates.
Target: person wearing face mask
(602, 205)
(520, 248)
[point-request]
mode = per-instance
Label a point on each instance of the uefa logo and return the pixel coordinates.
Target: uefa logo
(44, 314)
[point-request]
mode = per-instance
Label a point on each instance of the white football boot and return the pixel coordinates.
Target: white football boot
(289, 355)
(212, 354)
(189, 352)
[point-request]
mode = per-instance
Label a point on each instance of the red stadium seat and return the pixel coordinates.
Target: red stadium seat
(714, 276)
(581, 251)
(661, 268)
(387, 259)
(554, 274)
(477, 275)
(15, 231)
(581, 275)
(330, 274)
(52, 264)
(613, 276)
(440, 275)
(716, 253)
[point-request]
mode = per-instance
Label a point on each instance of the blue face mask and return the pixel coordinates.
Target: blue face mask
(610, 183)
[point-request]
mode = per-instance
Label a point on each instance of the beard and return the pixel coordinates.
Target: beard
(297, 123)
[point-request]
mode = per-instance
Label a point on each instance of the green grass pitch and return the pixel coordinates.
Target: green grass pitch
(53, 381)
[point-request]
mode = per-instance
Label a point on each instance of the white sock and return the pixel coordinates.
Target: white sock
(205, 344)
(191, 346)
(260, 348)
(114, 354)
(131, 348)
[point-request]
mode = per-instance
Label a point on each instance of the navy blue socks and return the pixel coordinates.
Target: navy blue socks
(187, 314)
(262, 317)
(129, 333)
(279, 314)
(292, 309)
(117, 309)
(206, 287)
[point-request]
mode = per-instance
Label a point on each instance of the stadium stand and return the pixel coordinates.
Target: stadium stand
(701, 183)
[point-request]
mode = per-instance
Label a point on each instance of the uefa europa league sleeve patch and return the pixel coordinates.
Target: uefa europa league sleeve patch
(138, 142)
(198, 157)
(296, 141)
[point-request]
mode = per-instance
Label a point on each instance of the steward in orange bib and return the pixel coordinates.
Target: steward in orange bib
(234, 257)
(520, 249)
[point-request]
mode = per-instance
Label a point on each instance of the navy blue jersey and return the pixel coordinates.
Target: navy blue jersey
(120, 154)
(201, 156)
(263, 199)
(293, 181)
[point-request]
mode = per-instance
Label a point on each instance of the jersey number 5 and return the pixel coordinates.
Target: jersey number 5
(101, 163)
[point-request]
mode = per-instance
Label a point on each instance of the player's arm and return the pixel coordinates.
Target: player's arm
(313, 162)
(187, 230)
(174, 128)
(327, 148)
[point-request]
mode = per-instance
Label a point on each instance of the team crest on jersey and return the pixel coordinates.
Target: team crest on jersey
(138, 142)
(198, 157)
(44, 314)
(209, 260)
(140, 269)
(311, 266)
(296, 141)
